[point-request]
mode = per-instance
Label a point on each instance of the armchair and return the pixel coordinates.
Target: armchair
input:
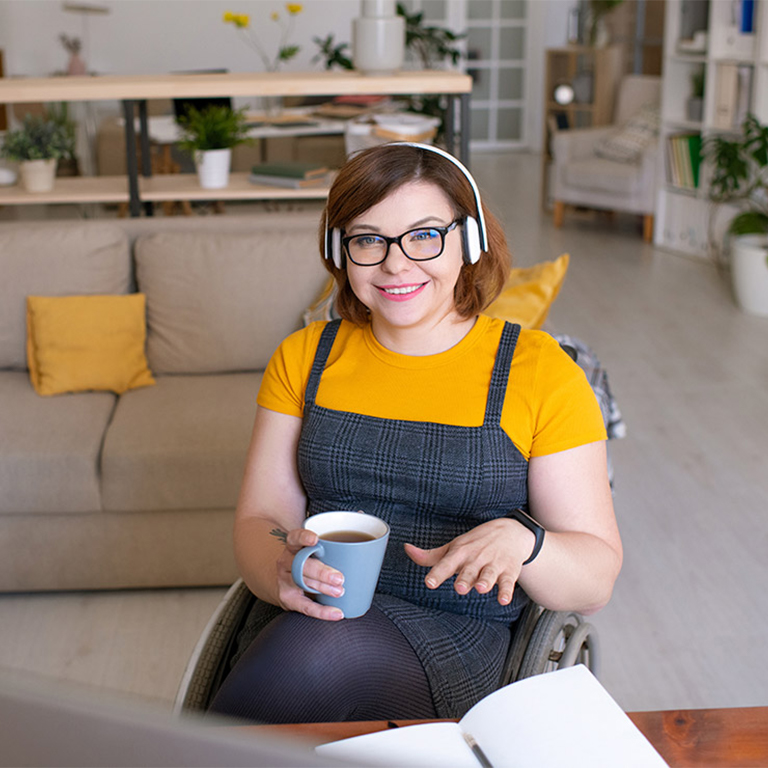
(583, 178)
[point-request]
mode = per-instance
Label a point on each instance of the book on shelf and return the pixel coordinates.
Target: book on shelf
(743, 94)
(289, 182)
(560, 718)
(726, 89)
(291, 170)
(683, 159)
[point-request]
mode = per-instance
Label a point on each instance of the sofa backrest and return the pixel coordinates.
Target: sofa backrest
(68, 258)
(219, 301)
(635, 91)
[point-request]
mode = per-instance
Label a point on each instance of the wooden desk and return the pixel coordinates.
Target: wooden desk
(138, 89)
(693, 738)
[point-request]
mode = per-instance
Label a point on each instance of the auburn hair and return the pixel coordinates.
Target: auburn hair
(368, 177)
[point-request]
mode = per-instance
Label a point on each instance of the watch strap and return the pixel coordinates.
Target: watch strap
(526, 520)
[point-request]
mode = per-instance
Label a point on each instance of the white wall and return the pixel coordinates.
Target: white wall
(151, 36)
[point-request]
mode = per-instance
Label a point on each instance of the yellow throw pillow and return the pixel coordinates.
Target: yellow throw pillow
(79, 343)
(530, 292)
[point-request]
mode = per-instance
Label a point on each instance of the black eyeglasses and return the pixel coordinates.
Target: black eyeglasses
(421, 244)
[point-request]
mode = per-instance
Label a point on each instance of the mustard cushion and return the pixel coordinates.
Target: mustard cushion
(79, 343)
(529, 293)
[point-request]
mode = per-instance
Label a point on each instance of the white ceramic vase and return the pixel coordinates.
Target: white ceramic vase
(213, 167)
(378, 38)
(749, 272)
(38, 175)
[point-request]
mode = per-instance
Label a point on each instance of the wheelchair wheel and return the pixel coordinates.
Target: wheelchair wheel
(208, 661)
(560, 639)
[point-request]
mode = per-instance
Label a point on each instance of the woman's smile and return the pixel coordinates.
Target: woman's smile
(401, 292)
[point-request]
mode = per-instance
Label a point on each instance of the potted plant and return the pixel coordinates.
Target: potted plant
(209, 135)
(37, 146)
(740, 178)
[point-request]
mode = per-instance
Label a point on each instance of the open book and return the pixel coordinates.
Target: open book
(563, 718)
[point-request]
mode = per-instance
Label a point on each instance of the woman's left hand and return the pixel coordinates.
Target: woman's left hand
(490, 554)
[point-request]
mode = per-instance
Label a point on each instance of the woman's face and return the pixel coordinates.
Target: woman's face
(400, 293)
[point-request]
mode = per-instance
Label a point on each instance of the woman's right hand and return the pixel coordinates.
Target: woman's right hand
(317, 575)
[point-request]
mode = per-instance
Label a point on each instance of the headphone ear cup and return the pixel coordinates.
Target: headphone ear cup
(472, 249)
(333, 246)
(336, 247)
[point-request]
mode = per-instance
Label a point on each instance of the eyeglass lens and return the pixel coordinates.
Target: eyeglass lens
(418, 244)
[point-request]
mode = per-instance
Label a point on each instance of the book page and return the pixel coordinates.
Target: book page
(556, 719)
(420, 746)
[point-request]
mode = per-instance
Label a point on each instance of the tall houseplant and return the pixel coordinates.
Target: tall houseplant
(209, 136)
(432, 47)
(740, 178)
(37, 147)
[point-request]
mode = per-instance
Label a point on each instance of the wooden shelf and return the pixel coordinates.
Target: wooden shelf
(74, 189)
(128, 89)
(185, 186)
(121, 87)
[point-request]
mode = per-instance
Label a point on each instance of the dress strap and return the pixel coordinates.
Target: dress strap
(500, 375)
(321, 357)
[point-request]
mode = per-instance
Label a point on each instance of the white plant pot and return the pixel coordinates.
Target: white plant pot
(378, 44)
(749, 272)
(213, 167)
(38, 175)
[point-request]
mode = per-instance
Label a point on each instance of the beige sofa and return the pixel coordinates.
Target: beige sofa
(99, 491)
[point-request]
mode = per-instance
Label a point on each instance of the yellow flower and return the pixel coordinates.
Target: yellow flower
(294, 8)
(242, 20)
(274, 15)
(228, 17)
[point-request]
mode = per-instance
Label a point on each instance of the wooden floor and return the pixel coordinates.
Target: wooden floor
(688, 623)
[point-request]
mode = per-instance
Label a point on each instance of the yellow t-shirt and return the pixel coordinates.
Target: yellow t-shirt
(549, 405)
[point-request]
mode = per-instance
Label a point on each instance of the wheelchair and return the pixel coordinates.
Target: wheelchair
(542, 641)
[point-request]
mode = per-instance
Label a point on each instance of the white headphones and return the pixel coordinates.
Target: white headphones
(475, 235)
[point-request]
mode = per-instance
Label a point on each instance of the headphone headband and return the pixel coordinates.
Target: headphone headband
(475, 232)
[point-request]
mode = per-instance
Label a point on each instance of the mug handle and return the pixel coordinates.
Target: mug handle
(297, 567)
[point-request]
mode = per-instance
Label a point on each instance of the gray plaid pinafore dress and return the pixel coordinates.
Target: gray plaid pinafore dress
(431, 482)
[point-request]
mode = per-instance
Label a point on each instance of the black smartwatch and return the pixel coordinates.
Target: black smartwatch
(525, 519)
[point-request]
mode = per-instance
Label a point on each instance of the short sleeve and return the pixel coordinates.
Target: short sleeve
(285, 378)
(565, 409)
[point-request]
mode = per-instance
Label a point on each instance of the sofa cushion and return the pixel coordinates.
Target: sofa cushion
(627, 143)
(180, 444)
(49, 448)
(81, 343)
(218, 303)
(55, 261)
(600, 175)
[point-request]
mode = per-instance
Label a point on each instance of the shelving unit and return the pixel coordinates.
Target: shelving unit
(594, 74)
(147, 189)
(683, 213)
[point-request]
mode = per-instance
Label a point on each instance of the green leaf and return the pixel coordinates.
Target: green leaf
(749, 223)
(215, 127)
(288, 52)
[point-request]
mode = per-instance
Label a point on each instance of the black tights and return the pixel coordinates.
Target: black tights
(301, 670)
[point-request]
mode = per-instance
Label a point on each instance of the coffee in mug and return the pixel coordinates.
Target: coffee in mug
(353, 543)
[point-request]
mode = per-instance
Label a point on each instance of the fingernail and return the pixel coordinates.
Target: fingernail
(481, 585)
(337, 579)
(337, 591)
(461, 586)
(338, 615)
(432, 583)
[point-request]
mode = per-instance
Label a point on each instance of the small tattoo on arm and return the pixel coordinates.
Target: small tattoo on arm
(282, 535)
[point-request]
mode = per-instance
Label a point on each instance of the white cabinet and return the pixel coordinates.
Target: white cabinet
(713, 39)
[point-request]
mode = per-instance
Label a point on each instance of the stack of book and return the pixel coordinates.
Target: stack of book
(684, 159)
(733, 95)
(294, 175)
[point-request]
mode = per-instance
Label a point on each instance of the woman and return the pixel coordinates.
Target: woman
(420, 410)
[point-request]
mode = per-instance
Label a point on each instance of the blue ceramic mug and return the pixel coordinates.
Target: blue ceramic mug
(353, 543)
